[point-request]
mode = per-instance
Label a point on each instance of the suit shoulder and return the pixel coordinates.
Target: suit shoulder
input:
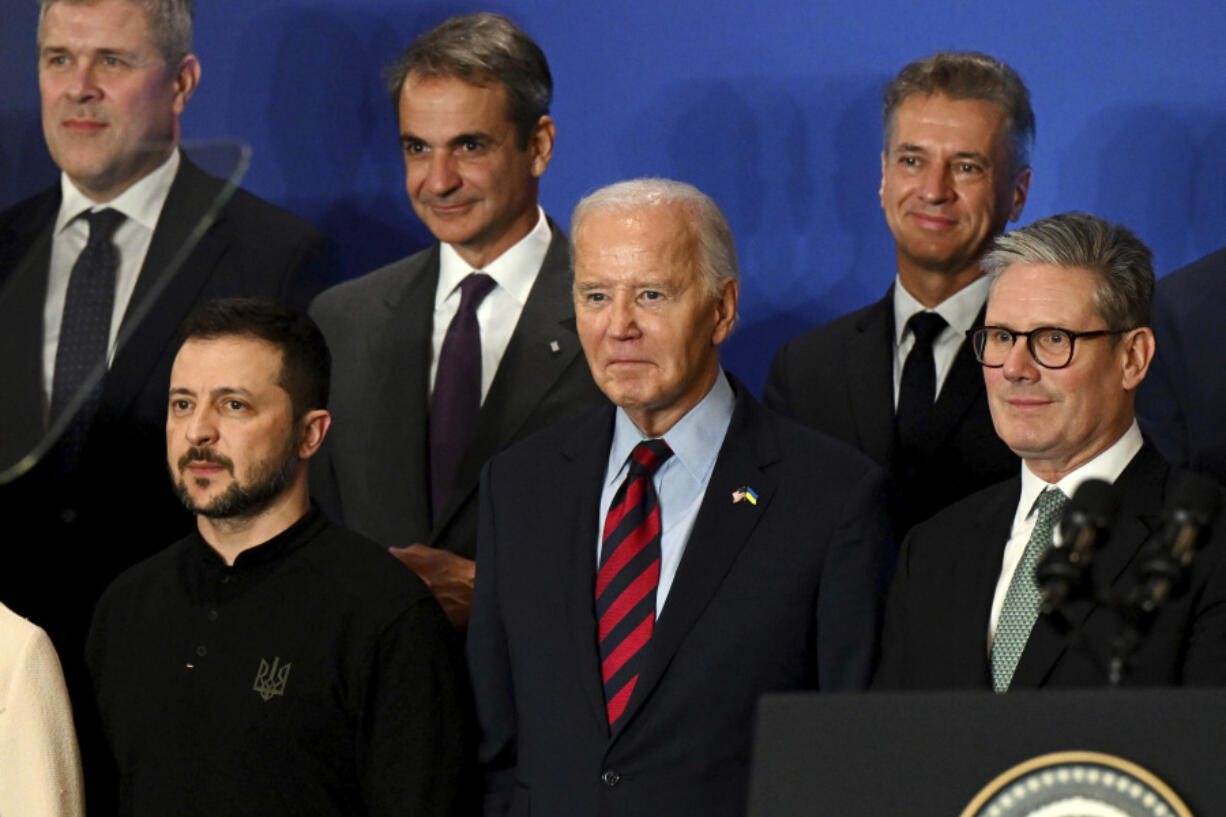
(554, 438)
(956, 516)
(816, 340)
(339, 300)
(269, 222)
(808, 448)
(31, 213)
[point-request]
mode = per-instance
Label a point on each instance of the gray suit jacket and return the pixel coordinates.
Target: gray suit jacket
(373, 473)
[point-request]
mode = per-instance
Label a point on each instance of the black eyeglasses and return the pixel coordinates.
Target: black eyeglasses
(1050, 346)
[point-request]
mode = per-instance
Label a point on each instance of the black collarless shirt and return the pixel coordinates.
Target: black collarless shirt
(315, 676)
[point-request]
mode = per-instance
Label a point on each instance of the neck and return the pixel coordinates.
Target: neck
(1052, 470)
(480, 257)
(232, 535)
(932, 287)
(656, 422)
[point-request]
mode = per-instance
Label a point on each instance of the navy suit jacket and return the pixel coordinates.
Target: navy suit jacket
(781, 595)
(373, 473)
(1181, 404)
(839, 378)
(937, 619)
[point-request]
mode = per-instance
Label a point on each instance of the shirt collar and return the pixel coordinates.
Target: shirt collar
(141, 203)
(514, 271)
(695, 439)
(959, 310)
(1107, 466)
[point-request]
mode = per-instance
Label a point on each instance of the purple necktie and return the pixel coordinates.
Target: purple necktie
(457, 391)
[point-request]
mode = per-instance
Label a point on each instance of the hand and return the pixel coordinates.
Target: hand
(449, 577)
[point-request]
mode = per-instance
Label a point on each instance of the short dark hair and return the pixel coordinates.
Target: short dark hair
(482, 49)
(967, 75)
(306, 363)
(1124, 265)
(170, 22)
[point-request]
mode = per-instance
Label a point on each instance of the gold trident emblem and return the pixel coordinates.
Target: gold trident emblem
(269, 680)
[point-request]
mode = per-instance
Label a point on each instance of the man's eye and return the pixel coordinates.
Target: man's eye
(652, 295)
(179, 405)
(1055, 338)
(595, 297)
(414, 148)
(471, 146)
(909, 161)
(235, 405)
(969, 168)
(1001, 336)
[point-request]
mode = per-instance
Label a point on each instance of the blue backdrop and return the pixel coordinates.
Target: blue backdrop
(770, 106)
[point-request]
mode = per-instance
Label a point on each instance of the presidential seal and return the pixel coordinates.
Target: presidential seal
(1077, 784)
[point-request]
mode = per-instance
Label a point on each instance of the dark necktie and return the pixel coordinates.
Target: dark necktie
(85, 329)
(917, 390)
(457, 391)
(628, 576)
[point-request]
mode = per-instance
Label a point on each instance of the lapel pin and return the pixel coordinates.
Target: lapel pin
(746, 493)
(554, 346)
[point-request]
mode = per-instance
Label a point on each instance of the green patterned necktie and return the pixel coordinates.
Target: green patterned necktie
(1021, 607)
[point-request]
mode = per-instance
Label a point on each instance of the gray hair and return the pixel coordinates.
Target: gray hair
(1123, 263)
(714, 249)
(482, 49)
(967, 75)
(170, 23)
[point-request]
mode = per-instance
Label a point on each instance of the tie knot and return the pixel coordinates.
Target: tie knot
(474, 288)
(926, 326)
(1049, 504)
(103, 224)
(648, 456)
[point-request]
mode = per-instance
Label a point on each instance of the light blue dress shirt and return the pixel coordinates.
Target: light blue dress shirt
(681, 483)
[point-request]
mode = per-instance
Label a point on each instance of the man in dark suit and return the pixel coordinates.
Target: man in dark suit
(1180, 403)
(447, 356)
(644, 573)
(1066, 346)
(97, 272)
(896, 379)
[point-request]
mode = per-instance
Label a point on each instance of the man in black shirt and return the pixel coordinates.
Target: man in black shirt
(271, 663)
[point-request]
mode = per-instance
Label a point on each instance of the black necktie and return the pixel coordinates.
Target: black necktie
(457, 391)
(917, 390)
(85, 328)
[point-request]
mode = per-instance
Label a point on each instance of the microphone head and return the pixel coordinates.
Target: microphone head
(1196, 500)
(1094, 504)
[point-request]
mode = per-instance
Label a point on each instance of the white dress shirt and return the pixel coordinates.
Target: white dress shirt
(1107, 466)
(959, 311)
(514, 272)
(681, 482)
(142, 204)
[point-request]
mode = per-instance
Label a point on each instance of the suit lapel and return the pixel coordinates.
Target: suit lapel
(870, 376)
(399, 347)
(963, 385)
(720, 532)
(182, 253)
(986, 539)
(530, 366)
(586, 456)
(1140, 493)
(25, 257)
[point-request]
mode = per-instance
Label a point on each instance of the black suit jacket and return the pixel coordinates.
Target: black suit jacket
(116, 507)
(839, 378)
(937, 618)
(373, 473)
(780, 595)
(1180, 403)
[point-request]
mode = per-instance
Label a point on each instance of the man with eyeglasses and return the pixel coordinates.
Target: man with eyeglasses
(1066, 343)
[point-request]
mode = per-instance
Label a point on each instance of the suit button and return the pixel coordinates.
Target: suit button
(610, 778)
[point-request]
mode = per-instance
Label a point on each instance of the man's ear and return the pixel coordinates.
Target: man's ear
(725, 311)
(187, 77)
(1138, 352)
(540, 146)
(313, 428)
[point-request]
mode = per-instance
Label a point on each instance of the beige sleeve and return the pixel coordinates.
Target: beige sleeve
(40, 766)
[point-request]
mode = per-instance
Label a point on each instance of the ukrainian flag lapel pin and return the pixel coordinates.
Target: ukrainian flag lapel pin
(746, 493)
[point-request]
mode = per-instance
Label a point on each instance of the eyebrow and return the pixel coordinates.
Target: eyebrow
(458, 139)
(214, 394)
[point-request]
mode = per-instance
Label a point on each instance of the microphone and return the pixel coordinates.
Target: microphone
(1086, 521)
(1194, 507)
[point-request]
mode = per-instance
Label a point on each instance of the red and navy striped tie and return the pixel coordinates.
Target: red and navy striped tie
(628, 576)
